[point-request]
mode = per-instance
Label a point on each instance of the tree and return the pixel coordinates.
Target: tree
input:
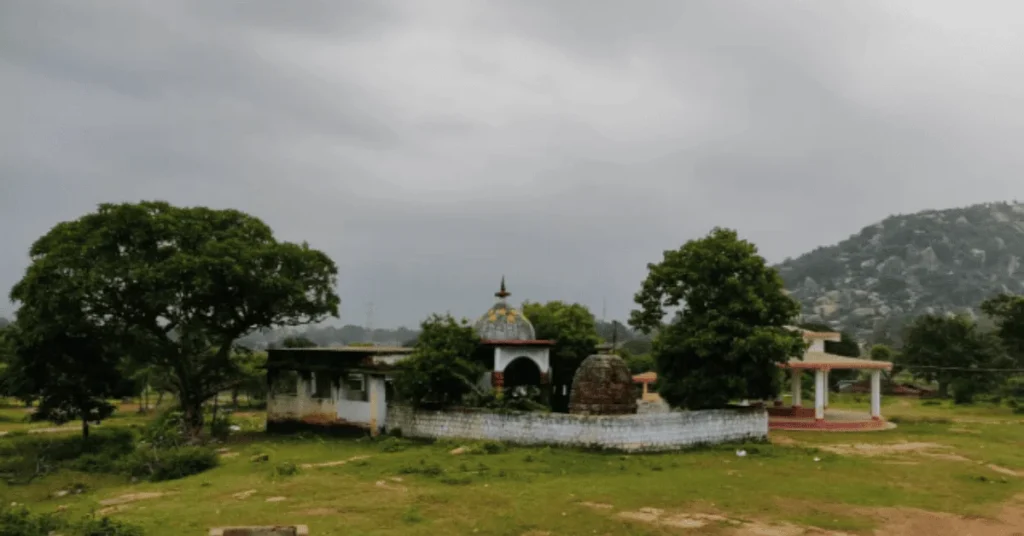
(1008, 313)
(729, 335)
(945, 349)
(297, 341)
(69, 365)
(181, 285)
(572, 328)
(442, 370)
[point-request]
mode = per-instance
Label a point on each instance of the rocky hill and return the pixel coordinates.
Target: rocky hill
(934, 261)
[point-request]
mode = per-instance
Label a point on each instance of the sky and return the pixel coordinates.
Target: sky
(432, 147)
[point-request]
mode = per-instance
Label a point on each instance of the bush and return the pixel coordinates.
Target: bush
(25, 457)
(104, 527)
(220, 427)
(170, 464)
(167, 430)
(21, 522)
(286, 469)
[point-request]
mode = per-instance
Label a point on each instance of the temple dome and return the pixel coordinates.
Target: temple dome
(504, 323)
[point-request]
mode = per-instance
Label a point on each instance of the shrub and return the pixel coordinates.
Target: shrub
(166, 430)
(104, 527)
(286, 469)
(21, 522)
(492, 447)
(26, 457)
(220, 427)
(170, 464)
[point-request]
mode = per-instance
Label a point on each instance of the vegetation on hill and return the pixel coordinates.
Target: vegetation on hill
(930, 262)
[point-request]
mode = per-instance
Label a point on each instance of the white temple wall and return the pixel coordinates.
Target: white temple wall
(649, 432)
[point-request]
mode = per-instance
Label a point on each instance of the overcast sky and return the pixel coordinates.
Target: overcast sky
(432, 146)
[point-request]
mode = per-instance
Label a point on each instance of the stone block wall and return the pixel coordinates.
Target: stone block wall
(632, 433)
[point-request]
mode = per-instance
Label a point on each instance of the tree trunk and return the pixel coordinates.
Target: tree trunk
(213, 415)
(943, 389)
(234, 398)
(193, 413)
(85, 428)
(159, 399)
(145, 399)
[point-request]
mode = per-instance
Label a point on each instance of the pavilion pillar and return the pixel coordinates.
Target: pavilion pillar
(796, 386)
(819, 394)
(826, 388)
(876, 395)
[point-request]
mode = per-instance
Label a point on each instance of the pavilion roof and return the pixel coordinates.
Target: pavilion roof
(645, 377)
(825, 360)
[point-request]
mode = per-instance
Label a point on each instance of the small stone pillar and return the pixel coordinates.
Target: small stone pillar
(498, 381)
(876, 395)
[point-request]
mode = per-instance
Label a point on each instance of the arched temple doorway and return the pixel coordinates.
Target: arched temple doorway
(521, 372)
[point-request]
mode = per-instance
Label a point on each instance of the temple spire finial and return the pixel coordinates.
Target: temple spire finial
(502, 293)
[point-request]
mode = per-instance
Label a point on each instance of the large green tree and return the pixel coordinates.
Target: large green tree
(572, 328)
(71, 366)
(443, 368)
(181, 284)
(1008, 313)
(948, 350)
(729, 335)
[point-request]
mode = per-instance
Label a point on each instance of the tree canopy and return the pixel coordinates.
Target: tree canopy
(441, 370)
(729, 335)
(574, 331)
(180, 285)
(1008, 313)
(945, 349)
(71, 366)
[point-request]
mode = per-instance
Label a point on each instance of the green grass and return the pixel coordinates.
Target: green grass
(515, 490)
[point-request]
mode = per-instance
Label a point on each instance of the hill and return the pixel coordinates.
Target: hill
(935, 261)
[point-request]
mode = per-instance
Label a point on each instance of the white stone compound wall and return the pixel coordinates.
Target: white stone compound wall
(650, 432)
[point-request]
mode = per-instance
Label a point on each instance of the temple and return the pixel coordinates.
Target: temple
(349, 388)
(520, 359)
(816, 359)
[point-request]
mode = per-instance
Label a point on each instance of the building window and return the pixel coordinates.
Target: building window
(355, 388)
(286, 383)
(322, 385)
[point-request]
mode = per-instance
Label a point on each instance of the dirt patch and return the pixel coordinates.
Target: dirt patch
(131, 497)
(656, 516)
(276, 499)
(785, 441)
(334, 463)
(384, 484)
(958, 430)
(698, 521)
(1004, 470)
(1009, 521)
(319, 512)
(596, 505)
(883, 449)
(760, 529)
(112, 509)
(244, 494)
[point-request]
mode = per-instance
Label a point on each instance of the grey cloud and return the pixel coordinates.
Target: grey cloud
(430, 149)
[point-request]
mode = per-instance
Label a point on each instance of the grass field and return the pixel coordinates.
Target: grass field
(944, 470)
